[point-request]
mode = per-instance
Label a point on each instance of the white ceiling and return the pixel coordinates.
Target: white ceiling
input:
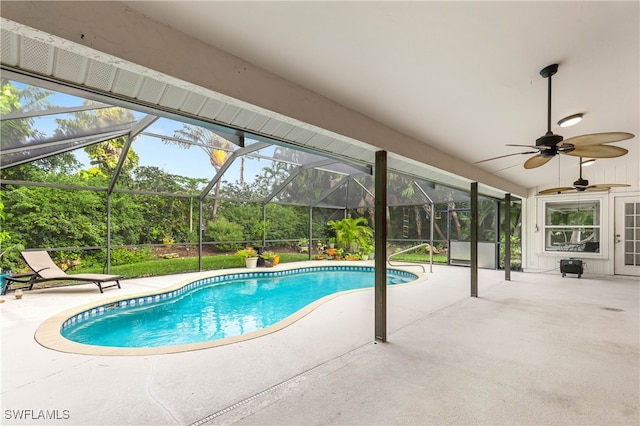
(460, 76)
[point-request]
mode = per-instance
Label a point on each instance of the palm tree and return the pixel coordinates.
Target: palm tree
(215, 146)
(352, 233)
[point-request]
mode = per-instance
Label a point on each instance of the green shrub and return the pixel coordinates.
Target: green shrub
(516, 252)
(10, 258)
(221, 230)
(120, 256)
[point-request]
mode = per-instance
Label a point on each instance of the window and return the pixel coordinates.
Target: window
(572, 226)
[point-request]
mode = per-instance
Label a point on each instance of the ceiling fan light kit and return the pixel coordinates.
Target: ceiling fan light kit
(570, 120)
(549, 145)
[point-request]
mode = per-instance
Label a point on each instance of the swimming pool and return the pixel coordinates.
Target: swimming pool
(217, 308)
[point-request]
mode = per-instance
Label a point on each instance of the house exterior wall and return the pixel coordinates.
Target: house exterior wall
(602, 263)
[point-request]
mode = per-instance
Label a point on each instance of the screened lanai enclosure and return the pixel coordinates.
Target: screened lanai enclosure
(105, 183)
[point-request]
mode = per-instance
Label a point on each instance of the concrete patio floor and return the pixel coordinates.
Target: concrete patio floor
(539, 349)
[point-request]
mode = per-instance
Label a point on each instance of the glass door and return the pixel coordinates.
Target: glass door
(627, 236)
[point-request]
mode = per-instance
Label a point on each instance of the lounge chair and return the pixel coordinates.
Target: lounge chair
(44, 269)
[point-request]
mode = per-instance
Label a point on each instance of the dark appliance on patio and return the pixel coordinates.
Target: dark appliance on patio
(571, 266)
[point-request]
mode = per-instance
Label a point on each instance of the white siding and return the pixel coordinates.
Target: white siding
(534, 258)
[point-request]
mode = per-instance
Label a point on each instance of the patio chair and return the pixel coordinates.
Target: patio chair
(578, 243)
(44, 269)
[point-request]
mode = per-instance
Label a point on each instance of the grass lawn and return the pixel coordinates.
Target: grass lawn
(186, 264)
(160, 266)
(223, 261)
(421, 258)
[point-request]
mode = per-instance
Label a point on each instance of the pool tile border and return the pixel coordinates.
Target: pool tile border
(49, 333)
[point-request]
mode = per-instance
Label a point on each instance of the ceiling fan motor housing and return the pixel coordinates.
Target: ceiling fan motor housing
(550, 141)
(580, 184)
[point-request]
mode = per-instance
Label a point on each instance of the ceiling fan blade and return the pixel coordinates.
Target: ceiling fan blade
(604, 186)
(503, 156)
(523, 146)
(615, 185)
(597, 188)
(538, 148)
(598, 138)
(597, 151)
(536, 161)
(559, 190)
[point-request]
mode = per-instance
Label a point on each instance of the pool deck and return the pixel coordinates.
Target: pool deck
(539, 349)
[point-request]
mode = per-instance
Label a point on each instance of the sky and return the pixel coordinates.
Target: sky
(192, 162)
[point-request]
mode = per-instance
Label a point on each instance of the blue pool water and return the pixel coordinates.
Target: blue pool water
(216, 307)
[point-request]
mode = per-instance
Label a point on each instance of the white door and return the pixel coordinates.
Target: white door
(627, 236)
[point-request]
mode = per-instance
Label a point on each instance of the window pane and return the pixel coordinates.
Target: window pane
(572, 226)
(628, 208)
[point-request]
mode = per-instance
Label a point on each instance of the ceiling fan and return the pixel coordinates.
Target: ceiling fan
(550, 145)
(581, 185)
